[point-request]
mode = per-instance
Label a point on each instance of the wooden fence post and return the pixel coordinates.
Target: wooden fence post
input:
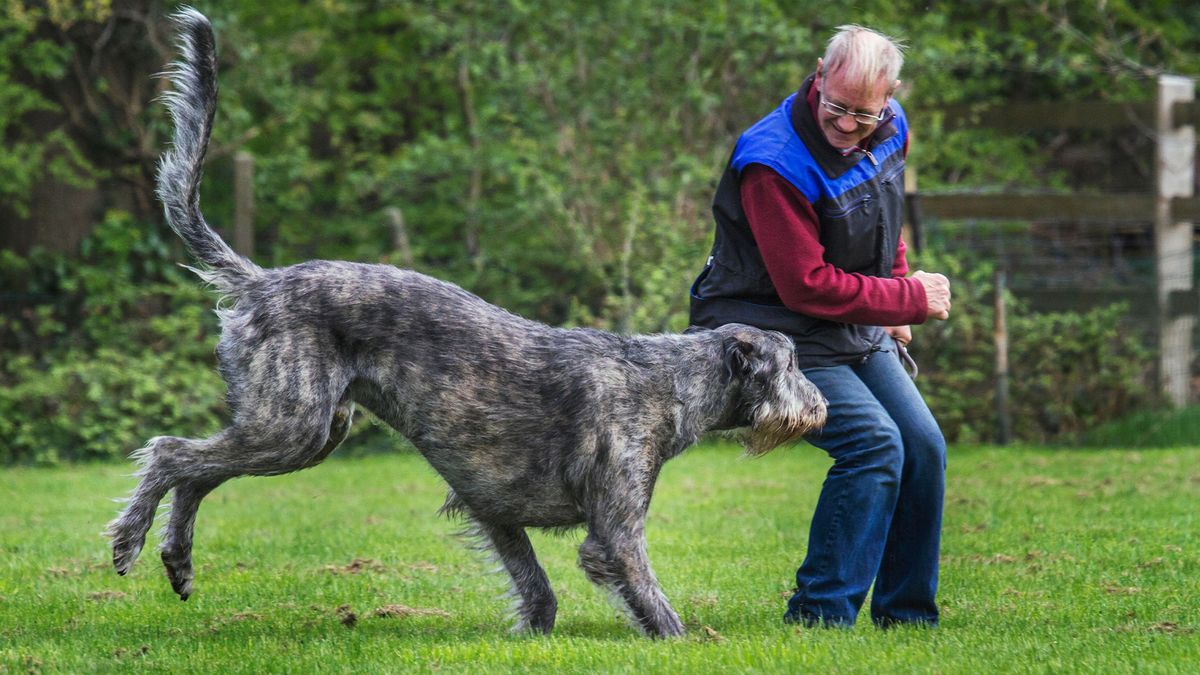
(915, 230)
(395, 218)
(1000, 336)
(1174, 173)
(243, 203)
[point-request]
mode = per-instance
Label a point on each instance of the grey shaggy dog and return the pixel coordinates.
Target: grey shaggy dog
(531, 426)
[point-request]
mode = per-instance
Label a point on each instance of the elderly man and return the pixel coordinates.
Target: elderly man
(808, 217)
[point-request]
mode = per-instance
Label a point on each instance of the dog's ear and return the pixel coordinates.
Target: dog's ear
(738, 351)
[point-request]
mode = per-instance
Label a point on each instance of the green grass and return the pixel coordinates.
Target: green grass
(1080, 561)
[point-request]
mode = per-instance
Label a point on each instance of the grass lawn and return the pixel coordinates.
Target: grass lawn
(1053, 560)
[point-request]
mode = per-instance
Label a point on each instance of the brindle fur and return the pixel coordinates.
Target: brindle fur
(531, 426)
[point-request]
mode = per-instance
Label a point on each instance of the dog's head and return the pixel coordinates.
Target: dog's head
(770, 395)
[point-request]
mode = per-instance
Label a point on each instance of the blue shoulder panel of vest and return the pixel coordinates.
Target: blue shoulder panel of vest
(773, 142)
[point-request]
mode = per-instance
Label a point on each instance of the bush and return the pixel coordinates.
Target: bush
(1068, 371)
(1072, 371)
(106, 350)
(1170, 428)
(102, 404)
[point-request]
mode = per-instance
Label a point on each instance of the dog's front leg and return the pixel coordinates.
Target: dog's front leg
(614, 556)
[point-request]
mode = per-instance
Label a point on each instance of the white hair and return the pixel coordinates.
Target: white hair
(863, 56)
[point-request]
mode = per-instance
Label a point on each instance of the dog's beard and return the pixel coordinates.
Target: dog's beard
(772, 425)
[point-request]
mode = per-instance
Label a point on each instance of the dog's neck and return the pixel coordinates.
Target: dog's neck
(705, 407)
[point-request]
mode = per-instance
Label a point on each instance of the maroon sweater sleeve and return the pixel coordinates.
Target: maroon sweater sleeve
(900, 265)
(785, 226)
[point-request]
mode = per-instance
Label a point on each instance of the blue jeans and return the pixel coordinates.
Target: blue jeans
(879, 517)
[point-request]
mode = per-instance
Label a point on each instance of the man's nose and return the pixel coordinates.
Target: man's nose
(845, 124)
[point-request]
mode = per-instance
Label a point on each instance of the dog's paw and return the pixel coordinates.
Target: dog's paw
(179, 573)
(535, 625)
(668, 626)
(125, 552)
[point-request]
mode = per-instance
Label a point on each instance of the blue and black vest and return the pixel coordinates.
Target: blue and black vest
(859, 200)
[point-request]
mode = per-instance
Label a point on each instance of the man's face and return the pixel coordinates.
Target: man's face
(848, 131)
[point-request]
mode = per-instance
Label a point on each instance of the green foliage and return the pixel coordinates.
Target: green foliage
(557, 158)
(1072, 371)
(522, 139)
(543, 156)
(31, 152)
(110, 350)
(1068, 371)
(957, 356)
(102, 404)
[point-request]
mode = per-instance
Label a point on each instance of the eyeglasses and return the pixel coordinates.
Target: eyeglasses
(865, 119)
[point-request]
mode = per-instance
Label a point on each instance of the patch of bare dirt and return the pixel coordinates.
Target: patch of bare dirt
(121, 652)
(356, 566)
(404, 612)
(347, 616)
(1115, 589)
(222, 621)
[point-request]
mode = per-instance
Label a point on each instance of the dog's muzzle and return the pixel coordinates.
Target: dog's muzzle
(775, 421)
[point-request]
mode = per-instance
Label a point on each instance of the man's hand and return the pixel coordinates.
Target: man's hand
(937, 294)
(901, 334)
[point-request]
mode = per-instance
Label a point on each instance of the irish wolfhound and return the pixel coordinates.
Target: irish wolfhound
(531, 426)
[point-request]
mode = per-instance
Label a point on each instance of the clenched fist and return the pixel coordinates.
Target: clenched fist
(937, 294)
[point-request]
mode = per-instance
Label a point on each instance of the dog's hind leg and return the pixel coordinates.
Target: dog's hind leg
(128, 530)
(176, 548)
(536, 606)
(263, 441)
(339, 429)
(176, 545)
(160, 471)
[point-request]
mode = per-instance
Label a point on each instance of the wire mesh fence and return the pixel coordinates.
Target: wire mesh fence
(1105, 270)
(1112, 242)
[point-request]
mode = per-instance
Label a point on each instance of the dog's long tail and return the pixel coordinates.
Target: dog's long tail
(191, 102)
